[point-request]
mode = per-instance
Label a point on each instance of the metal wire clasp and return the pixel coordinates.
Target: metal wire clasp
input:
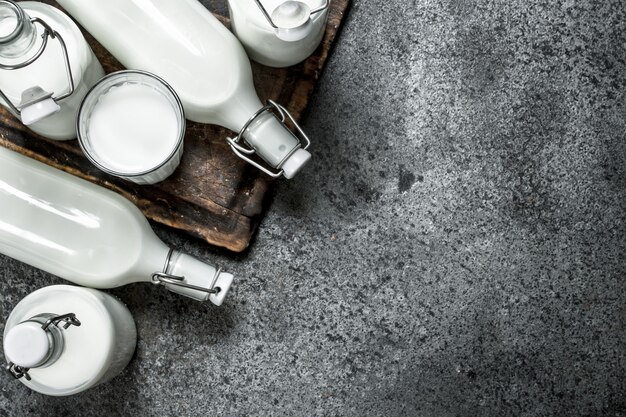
(48, 32)
(243, 151)
(267, 15)
(165, 278)
(18, 372)
(69, 319)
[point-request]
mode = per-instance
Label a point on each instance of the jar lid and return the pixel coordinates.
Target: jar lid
(27, 345)
(292, 20)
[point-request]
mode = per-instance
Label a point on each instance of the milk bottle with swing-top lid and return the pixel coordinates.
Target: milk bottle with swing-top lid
(185, 45)
(62, 340)
(279, 33)
(46, 67)
(91, 236)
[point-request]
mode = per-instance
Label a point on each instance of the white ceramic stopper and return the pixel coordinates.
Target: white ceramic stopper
(293, 19)
(200, 274)
(295, 163)
(223, 282)
(38, 111)
(26, 345)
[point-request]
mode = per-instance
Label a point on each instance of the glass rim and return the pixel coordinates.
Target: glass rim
(20, 16)
(179, 108)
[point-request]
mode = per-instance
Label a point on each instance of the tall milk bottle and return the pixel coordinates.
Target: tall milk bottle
(89, 235)
(183, 43)
(62, 340)
(46, 67)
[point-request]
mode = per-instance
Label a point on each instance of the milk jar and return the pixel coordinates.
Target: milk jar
(46, 67)
(62, 340)
(91, 236)
(279, 33)
(184, 44)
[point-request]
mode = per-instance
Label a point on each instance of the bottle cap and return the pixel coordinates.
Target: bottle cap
(188, 276)
(27, 345)
(293, 19)
(36, 105)
(224, 282)
(295, 163)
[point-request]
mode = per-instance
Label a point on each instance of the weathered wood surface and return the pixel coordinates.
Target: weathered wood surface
(213, 195)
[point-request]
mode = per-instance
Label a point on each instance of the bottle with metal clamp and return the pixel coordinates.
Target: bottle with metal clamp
(178, 276)
(279, 33)
(46, 67)
(36, 342)
(63, 354)
(279, 163)
(91, 236)
(207, 67)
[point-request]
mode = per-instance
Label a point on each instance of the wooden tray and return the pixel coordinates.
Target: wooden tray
(213, 195)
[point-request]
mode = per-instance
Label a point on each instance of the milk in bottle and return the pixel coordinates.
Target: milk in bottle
(89, 235)
(62, 340)
(183, 43)
(39, 48)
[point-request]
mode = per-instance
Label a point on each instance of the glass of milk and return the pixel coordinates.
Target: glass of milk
(132, 125)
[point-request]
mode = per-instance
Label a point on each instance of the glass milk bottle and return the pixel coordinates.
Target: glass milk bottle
(89, 235)
(62, 340)
(46, 67)
(279, 33)
(183, 43)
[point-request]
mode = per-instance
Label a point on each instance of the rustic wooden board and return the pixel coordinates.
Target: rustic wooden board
(213, 195)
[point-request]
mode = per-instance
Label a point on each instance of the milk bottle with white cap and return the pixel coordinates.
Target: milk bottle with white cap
(62, 340)
(279, 33)
(184, 44)
(46, 67)
(91, 236)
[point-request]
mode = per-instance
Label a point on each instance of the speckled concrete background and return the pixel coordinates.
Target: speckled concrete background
(456, 249)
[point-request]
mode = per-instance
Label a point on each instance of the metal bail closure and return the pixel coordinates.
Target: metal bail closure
(243, 151)
(165, 278)
(292, 20)
(40, 347)
(38, 104)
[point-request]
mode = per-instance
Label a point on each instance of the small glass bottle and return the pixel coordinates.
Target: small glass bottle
(46, 67)
(62, 340)
(279, 33)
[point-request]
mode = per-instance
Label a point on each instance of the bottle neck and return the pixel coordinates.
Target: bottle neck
(32, 344)
(188, 276)
(18, 34)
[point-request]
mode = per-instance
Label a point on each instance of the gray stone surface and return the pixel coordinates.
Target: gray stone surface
(456, 248)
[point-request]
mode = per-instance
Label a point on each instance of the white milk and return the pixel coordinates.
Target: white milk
(133, 129)
(183, 43)
(93, 353)
(49, 71)
(260, 39)
(132, 125)
(82, 232)
(7, 26)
